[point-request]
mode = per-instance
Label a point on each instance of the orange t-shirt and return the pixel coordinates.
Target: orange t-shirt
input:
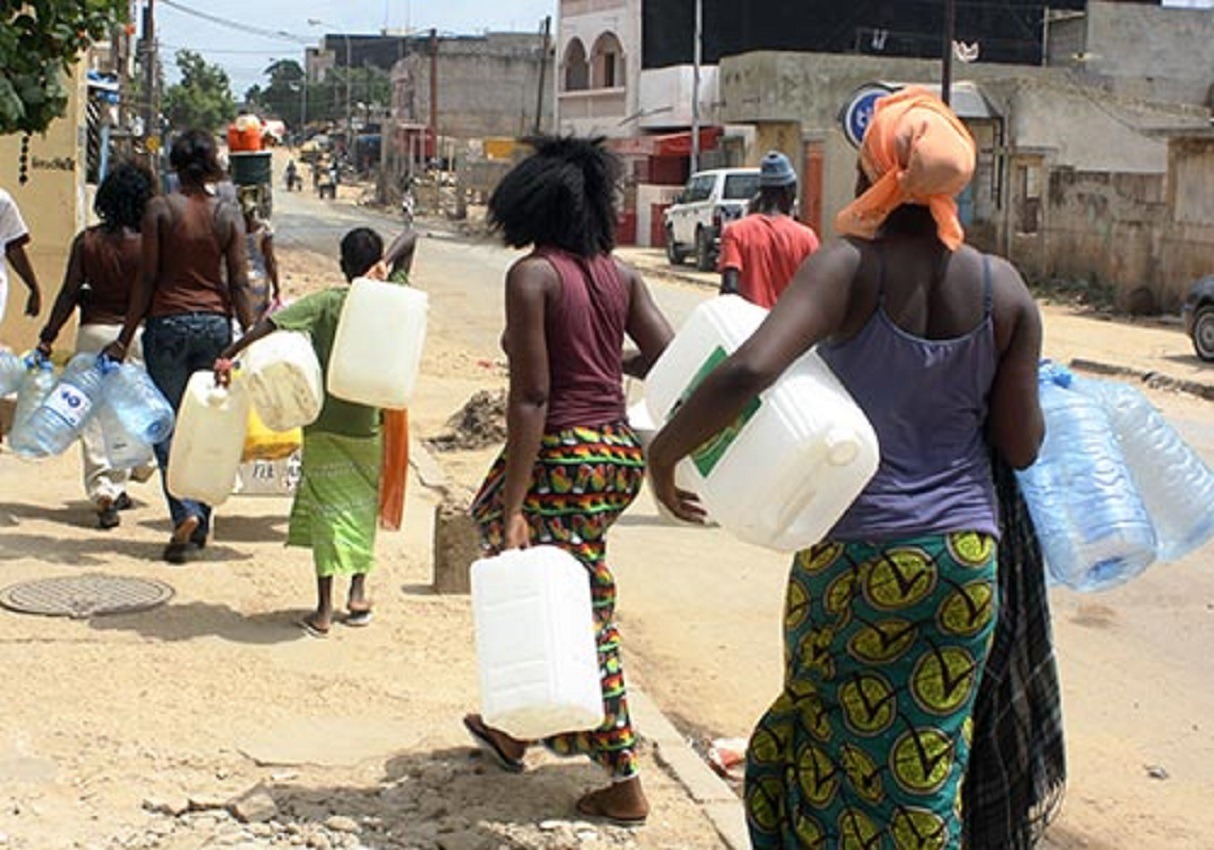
(766, 251)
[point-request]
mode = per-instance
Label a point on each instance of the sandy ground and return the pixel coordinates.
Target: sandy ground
(137, 730)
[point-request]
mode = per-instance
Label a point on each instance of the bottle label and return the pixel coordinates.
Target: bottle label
(70, 405)
(709, 454)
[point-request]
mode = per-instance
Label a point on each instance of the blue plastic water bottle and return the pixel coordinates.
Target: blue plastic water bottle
(143, 410)
(37, 384)
(1094, 530)
(12, 372)
(52, 427)
(123, 450)
(1176, 485)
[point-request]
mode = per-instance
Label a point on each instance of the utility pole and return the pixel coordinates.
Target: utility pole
(539, 97)
(696, 57)
(950, 33)
(151, 95)
(433, 90)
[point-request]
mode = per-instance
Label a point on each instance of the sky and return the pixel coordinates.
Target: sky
(246, 43)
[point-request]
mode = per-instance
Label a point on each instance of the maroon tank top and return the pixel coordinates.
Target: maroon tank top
(110, 263)
(585, 334)
(191, 278)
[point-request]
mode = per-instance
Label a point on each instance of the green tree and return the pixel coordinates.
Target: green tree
(203, 98)
(40, 40)
(282, 98)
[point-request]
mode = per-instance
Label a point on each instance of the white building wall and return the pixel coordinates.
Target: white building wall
(602, 112)
(665, 95)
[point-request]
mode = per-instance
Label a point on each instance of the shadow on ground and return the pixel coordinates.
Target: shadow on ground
(193, 620)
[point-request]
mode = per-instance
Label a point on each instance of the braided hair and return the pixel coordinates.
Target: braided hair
(562, 195)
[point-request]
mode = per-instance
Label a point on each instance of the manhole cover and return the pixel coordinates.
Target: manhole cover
(81, 597)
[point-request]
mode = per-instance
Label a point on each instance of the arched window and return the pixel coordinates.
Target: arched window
(577, 69)
(607, 62)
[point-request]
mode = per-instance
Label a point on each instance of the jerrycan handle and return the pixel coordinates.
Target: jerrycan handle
(840, 447)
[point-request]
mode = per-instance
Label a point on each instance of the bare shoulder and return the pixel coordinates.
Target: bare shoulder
(627, 271)
(532, 273)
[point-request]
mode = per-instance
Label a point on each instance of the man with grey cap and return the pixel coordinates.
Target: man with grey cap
(760, 252)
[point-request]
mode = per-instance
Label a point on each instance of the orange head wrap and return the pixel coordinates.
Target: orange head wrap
(915, 151)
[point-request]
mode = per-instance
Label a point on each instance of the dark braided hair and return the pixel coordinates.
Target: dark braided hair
(194, 157)
(122, 197)
(563, 195)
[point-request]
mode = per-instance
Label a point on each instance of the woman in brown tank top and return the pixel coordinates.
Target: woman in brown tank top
(194, 280)
(103, 265)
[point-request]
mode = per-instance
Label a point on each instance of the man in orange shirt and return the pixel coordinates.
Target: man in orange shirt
(760, 253)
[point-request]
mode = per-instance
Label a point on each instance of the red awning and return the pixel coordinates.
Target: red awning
(668, 144)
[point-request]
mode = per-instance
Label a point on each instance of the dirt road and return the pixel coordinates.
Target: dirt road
(218, 693)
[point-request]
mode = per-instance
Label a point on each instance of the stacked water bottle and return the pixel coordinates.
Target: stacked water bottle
(51, 414)
(1114, 488)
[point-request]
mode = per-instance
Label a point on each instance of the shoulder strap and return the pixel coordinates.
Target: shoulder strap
(986, 285)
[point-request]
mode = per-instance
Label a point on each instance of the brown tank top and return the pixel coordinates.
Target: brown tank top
(191, 278)
(110, 263)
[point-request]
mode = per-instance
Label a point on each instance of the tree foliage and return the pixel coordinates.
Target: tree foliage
(203, 97)
(324, 101)
(40, 40)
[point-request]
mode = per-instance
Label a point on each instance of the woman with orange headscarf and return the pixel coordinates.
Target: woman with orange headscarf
(889, 620)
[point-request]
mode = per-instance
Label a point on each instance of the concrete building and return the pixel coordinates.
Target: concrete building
(1140, 50)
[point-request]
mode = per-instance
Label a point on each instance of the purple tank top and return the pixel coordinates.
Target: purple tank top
(927, 401)
(585, 335)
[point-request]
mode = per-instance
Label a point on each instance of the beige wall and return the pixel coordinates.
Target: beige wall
(52, 203)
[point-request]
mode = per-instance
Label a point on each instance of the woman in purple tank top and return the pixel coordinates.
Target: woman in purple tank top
(571, 464)
(889, 621)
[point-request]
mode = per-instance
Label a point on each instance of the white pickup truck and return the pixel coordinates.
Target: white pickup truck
(710, 199)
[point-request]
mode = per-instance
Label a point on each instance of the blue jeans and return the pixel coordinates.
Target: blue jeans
(175, 347)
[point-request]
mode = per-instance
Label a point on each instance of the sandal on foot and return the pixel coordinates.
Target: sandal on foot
(590, 805)
(311, 629)
(480, 734)
(176, 552)
(359, 618)
(107, 516)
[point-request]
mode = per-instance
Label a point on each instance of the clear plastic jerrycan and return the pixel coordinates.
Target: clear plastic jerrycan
(798, 455)
(535, 644)
(208, 440)
(378, 347)
(284, 380)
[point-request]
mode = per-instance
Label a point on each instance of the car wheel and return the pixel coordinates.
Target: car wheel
(705, 261)
(1203, 332)
(673, 253)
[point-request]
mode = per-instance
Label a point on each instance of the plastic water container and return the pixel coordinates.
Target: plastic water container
(123, 450)
(35, 386)
(58, 420)
(1094, 529)
(208, 440)
(12, 372)
(1176, 485)
(378, 347)
(535, 645)
(284, 380)
(799, 454)
(139, 405)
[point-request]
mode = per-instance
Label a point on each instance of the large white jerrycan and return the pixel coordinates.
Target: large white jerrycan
(796, 458)
(284, 380)
(208, 439)
(378, 347)
(535, 646)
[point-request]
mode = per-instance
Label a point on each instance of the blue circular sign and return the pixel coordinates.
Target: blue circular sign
(858, 111)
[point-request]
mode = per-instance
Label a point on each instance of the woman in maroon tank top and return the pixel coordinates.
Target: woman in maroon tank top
(194, 280)
(102, 267)
(571, 463)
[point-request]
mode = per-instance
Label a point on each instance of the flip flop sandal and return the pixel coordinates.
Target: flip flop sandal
(358, 619)
(588, 806)
(311, 629)
(490, 748)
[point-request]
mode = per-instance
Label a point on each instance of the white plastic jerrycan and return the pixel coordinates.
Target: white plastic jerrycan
(284, 380)
(208, 439)
(535, 646)
(798, 455)
(378, 347)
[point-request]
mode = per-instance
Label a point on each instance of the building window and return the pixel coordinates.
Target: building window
(607, 62)
(577, 69)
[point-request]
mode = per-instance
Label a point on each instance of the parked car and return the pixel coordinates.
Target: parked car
(710, 199)
(1198, 312)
